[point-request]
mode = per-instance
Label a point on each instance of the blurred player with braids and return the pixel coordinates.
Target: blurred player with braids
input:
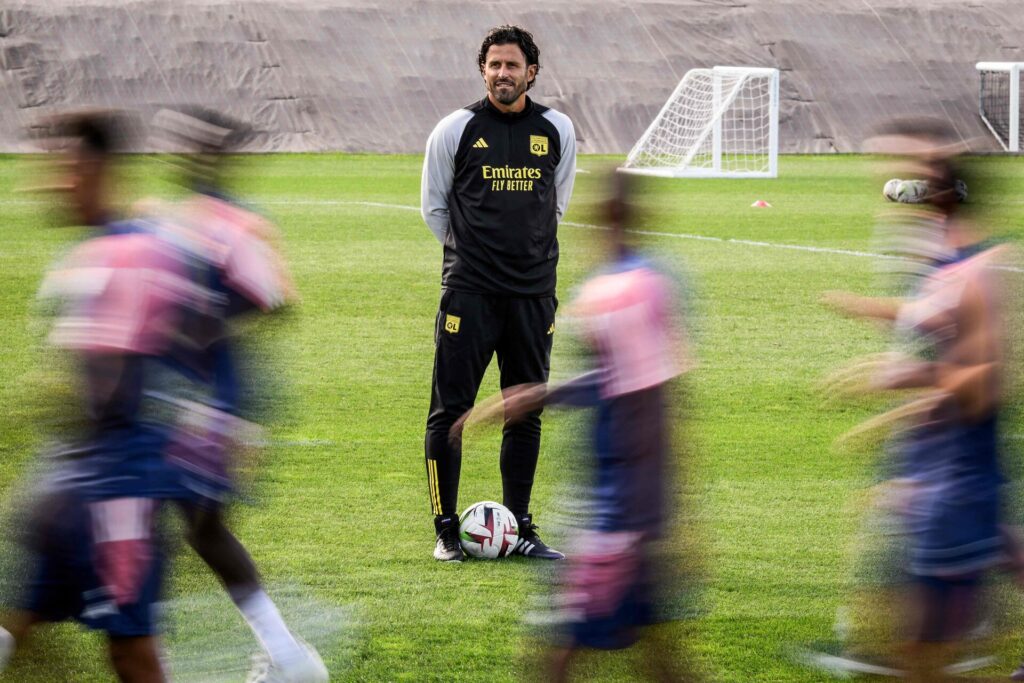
(616, 582)
(497, 178)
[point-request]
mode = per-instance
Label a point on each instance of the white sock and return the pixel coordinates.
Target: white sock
(266, 623)
(6, 647)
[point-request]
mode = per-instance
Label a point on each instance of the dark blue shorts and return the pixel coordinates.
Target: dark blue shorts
(611, 594)
(119, 463)
(70, 573)
(619, 629)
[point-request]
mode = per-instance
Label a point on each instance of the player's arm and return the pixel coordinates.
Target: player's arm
(581, 391)
(439, 171)
(974, 376)
(514, 403)
(857, 306)
(565, 172)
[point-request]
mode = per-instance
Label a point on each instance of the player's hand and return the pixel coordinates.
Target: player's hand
(487, 410)
(871, 433)
(863, 376)
(846, 303)
(895, 495)
(523, 399)
(510, 406)
(455, 433)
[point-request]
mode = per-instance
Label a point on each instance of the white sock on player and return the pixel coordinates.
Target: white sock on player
(6, 647)
(266, 623)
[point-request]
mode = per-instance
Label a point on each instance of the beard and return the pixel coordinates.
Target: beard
(508, 95)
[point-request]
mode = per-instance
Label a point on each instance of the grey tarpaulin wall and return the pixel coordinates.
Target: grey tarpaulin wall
(376, 76)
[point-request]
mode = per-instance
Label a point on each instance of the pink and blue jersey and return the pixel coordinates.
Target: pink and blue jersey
(124, 298)
(230, 251)
(626, 316)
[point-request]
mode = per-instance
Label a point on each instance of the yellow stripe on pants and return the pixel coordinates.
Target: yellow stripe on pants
(435, 488)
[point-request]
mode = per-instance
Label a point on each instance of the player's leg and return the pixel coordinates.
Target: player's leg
(666, 657)
(224, 554)
(944, 610)
(559, 659)
(8, 641)
(16, 631)
(121, 582)
(465, 334)
(54, 549)
(524, 356)
(136, 659)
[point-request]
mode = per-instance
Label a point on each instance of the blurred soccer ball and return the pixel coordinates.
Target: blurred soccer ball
(916, 191)
(911, 191)
(488, 530)
(889, 191)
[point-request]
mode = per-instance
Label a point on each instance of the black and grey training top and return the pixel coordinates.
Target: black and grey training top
(494, 188)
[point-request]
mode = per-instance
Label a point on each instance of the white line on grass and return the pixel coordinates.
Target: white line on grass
(655, 233)
(590, 226)
(751, 243)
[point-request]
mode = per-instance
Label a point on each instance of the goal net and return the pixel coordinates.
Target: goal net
(718, 123)
(999, 102)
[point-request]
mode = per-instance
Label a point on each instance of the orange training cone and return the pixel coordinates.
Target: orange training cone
(761, 204)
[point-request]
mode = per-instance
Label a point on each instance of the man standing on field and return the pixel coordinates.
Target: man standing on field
(497, 178)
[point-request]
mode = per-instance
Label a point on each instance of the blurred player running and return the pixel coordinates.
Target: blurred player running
(948, 461)
(230, 251)
(614, 586)
(94, 552)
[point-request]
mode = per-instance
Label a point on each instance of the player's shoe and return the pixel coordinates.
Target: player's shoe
(6, 648)
(305, 667)
(1017, 675)
(530, 545)
(833, 659)
(448, 548)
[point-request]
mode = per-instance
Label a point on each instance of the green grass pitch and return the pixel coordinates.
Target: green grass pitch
(341, 516)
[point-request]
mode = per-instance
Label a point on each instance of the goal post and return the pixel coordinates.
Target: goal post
(999, 101)
(718, 123)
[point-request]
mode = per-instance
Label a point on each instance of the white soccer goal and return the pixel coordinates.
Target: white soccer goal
(718, 123)
(999, 102)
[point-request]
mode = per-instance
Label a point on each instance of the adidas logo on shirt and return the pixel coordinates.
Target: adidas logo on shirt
(480, 144)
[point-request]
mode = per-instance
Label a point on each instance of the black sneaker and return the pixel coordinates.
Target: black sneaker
(448, 548)
(530, 545)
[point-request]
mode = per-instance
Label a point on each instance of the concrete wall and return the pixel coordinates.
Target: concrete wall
(376, 76)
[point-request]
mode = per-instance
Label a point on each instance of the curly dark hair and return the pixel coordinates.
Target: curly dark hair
(509, 35)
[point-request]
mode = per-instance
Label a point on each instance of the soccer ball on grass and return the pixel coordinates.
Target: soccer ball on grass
(488, 530)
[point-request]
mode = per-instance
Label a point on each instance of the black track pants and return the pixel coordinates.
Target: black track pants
(470, 329)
